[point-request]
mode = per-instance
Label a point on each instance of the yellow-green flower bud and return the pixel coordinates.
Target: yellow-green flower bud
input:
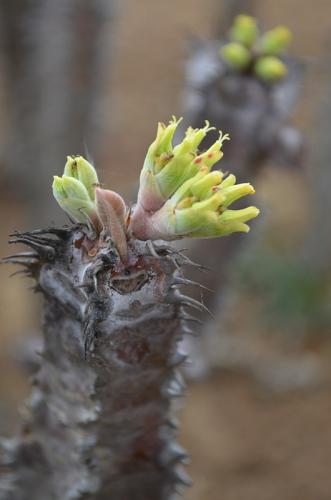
(191, 219)
(210, 218)
(188, 199)
(80, 169)
(236, 55)
(243, 215)
(74, 188)
(201, 188)
(166, 168)
(230, 221)
(73, 198)
(244, 30)
(213, 154)
(275, 41)
(185, 189)
(230, 180)
(270, 69)
(200, 208)
(161, 148)
(234, 193)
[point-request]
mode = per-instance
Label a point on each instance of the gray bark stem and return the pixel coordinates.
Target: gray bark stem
(99, 424)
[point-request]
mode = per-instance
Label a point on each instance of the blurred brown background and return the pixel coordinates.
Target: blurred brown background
(258, 426)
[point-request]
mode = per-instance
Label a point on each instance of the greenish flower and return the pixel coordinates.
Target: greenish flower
(193, 201)
(179, 195)
(75, 190)
(244, 30)
(270, 69)
(200, 207)
(236, 55)
(248, 51)
(166, 167)
(275, 41)
(80, 169)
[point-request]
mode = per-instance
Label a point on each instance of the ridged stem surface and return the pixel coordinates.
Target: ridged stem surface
(99, 424)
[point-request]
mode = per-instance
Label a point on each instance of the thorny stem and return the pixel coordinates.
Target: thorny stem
(99, 424)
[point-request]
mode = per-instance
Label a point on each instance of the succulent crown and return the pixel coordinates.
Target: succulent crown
(75, 190)
(248, 50)
(166, 167)
(179, 195)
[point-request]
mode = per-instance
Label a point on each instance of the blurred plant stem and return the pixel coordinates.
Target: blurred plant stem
(55, 59)
(293, 288)
(257, 117)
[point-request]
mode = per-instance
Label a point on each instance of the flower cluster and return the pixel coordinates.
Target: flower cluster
(260, 54)
(179, 195)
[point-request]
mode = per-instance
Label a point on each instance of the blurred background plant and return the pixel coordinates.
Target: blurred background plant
(248, 88)
(294, 298)
(252, 435)
(249, 51)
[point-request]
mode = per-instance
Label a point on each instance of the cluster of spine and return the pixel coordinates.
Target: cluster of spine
(248, 51)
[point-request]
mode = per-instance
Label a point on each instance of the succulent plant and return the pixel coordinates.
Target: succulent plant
(100, 422)
(248, 51)
(179, 196)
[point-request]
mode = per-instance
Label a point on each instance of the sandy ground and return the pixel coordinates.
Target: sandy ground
(247, 445)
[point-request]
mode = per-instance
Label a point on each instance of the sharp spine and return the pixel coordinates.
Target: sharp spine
(184, 281)
(178, 359)
(43, 250)
(173, 454)
(182, 477)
